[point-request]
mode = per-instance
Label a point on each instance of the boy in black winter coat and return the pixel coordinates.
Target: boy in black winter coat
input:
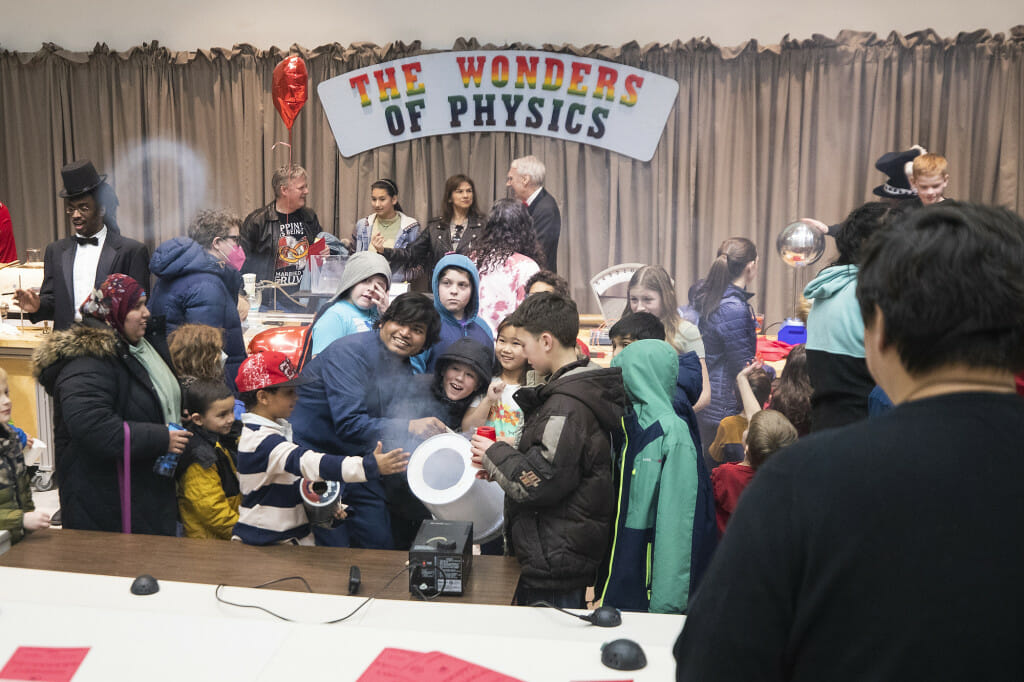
(560, 499)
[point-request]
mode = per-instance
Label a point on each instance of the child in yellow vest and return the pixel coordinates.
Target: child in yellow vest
(208, 491)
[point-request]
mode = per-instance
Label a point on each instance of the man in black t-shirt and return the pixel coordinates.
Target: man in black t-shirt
(888, 549)
(277, 237)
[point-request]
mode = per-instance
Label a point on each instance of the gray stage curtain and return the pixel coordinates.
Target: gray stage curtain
(760, 136)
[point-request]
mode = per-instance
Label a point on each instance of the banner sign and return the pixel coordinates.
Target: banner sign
(540, 93)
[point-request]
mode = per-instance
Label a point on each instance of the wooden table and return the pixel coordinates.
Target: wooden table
(492, 579)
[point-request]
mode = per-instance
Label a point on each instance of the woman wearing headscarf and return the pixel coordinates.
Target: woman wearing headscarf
(111, 380)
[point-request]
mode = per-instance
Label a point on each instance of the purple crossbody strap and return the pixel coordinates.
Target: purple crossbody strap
(124, 482)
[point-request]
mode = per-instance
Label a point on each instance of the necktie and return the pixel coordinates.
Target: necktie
(82, 241)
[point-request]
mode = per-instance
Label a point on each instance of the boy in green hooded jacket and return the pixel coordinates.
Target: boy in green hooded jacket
(665, 524)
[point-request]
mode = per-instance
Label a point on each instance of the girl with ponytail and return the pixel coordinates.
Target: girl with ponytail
(727, 326)
(391, 227)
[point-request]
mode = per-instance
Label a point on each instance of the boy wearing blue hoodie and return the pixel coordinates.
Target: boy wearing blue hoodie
(456, 286)
(665, 528)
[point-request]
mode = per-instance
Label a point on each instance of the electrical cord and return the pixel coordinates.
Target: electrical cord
(602, 616)
(268, 284)
(438, 591)
(559, 608)
(216, 594)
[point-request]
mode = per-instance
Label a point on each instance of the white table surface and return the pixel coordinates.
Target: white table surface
(183, 633)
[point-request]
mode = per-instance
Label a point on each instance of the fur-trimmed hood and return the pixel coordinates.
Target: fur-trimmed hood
(81, 340)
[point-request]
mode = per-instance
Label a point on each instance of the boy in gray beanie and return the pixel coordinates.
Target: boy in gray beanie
(361, 299)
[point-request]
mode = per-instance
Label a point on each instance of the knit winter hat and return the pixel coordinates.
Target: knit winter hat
(359, 266)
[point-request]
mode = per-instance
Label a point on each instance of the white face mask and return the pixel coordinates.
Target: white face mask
(223, 359)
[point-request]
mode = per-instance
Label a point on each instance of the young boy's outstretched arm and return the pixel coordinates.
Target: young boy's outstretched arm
(544, 470)
(273, 454)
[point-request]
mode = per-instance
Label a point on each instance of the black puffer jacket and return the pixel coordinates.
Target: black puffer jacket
(96, 386)
(559, 494)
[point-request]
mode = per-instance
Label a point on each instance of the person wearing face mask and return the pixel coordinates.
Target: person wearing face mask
(198, 281)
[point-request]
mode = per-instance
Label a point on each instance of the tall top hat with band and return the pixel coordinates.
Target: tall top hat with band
(894, 165)
(80, 177)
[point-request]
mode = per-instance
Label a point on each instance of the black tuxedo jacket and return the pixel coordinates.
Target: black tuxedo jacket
(56, 295)
(548, 223)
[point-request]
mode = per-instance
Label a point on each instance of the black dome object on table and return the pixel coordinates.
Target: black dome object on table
(145, 584)
(623, 654)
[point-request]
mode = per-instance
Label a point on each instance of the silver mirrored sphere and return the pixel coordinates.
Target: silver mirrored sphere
(800, 244)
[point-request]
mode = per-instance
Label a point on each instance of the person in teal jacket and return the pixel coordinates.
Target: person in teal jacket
(835, 329)
(665, 525)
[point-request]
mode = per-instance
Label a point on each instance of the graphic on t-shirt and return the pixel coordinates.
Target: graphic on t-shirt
(506, 416)
(292, 254)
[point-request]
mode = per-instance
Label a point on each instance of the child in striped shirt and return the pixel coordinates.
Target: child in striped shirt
(271, 467)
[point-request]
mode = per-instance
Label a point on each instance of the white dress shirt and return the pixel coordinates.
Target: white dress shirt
(87, 259)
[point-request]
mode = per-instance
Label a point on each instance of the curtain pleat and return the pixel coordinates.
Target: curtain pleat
(761, 135)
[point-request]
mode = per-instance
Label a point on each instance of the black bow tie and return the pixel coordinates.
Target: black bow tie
(82, 241)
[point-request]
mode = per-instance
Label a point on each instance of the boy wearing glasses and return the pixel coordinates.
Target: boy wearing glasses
(74, 266)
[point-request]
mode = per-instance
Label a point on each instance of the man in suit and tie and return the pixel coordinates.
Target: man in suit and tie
(74, 266)
(526, 180)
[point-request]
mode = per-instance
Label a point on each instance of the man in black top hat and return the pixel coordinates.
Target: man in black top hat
(74, 266)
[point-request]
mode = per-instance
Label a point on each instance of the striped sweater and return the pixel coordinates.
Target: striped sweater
(270, 470)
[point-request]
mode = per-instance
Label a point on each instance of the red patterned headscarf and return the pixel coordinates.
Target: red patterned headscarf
(112, 302)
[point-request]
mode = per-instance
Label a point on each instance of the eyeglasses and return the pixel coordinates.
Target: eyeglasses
(84, 210)
(232, 237)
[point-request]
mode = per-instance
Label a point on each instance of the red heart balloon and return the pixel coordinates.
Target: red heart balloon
(289, 90)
